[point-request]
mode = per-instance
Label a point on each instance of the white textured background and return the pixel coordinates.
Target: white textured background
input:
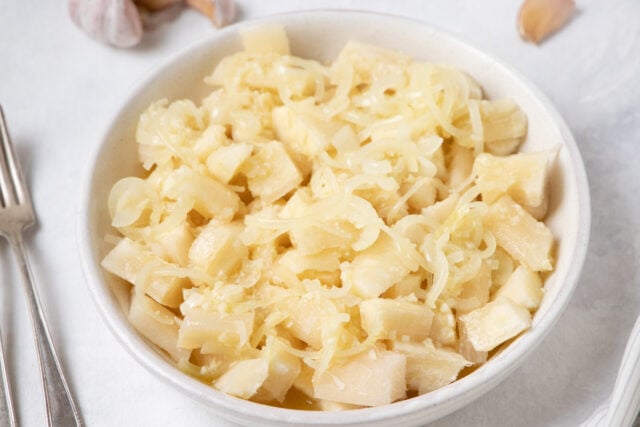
(58, 87)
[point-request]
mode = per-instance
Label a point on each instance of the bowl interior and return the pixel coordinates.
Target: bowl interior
(321, 35)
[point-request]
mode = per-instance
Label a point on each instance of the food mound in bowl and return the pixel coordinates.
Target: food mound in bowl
(332, 237)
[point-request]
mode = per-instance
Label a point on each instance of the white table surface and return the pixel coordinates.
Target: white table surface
(58, 87)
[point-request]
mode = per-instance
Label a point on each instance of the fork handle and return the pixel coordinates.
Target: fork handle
(625, 398)
(7, 411)
(61, 408)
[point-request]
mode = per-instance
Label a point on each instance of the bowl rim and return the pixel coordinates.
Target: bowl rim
(448, 398)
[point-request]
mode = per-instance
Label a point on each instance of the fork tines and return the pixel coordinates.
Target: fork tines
(12, 190)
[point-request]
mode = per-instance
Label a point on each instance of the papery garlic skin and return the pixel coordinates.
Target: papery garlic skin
(116, 22)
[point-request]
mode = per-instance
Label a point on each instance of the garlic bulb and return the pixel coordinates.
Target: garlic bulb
(116, 22)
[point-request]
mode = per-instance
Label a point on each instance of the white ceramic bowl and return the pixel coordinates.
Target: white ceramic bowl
(321, 35)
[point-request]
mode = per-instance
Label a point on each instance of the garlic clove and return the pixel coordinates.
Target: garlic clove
(538, 19)
(116, 22)
(153, 5)
(220, 12)
(225, 12)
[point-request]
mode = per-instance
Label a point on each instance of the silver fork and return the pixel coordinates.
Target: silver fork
(16, 214)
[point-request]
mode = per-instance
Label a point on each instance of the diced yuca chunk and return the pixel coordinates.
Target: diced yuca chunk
(524, 287)
(283, 370)
(128, 258)
(386, 202)
(298, 203)
(175, 244)
(210, 198)
(164, 126)
(212, 138)
(502, 266)
(334, 235)
(324, 266)
(218, 249)
(410, 285)
(429, 368)
(460, 165)
(214, 333)
(225, 162)
(157, 324)
(523, 176)
(527, 240)
(493, 324)
(439, 211)
(255, 234)
(323, 183)
(304, 380)
(304, 135)
(299, 262)
(422, 196)
(306, 317)
(244, 378)
(265, 39)
(466, 350)
(167, 290)
(504, 125)
(475, 292)
(372, 378)
(396, 320)
(270, 172)
(345, 140)
(378, 267)
(443, 326)
(370, 62)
